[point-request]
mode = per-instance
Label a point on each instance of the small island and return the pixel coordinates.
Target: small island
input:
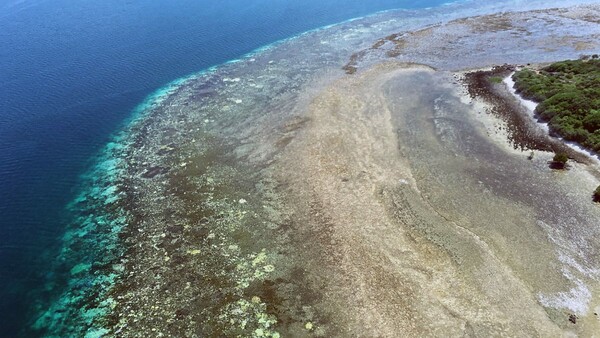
(568, 93)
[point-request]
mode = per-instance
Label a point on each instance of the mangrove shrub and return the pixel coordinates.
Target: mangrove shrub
(568, 94)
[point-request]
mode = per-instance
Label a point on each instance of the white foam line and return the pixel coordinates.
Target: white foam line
(530, 105)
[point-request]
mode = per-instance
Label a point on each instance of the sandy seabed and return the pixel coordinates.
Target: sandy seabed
(289, 195)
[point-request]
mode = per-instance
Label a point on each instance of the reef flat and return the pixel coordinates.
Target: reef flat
(345, 183)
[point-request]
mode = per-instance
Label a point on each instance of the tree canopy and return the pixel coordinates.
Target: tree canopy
(568, 93)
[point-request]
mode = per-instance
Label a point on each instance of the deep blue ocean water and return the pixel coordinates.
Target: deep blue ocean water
(70, 74)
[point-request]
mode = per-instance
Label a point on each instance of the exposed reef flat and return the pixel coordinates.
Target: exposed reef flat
(507, 37)
(280, 196)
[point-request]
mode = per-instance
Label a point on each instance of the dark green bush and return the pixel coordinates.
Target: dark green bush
(593, 142)
(560, 158)
(592, 121)
(559, 161)
(496, 79)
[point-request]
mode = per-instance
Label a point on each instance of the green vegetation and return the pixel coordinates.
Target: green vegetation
(560, 160)
(569, 97)
(496, 79)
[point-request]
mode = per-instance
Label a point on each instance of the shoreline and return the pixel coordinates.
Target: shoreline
(523, 131)
(531, 105)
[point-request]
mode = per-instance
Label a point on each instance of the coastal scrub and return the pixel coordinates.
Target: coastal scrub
(569, 97)
(559, 161)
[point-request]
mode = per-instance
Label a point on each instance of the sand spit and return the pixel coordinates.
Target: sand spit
(279, 196)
